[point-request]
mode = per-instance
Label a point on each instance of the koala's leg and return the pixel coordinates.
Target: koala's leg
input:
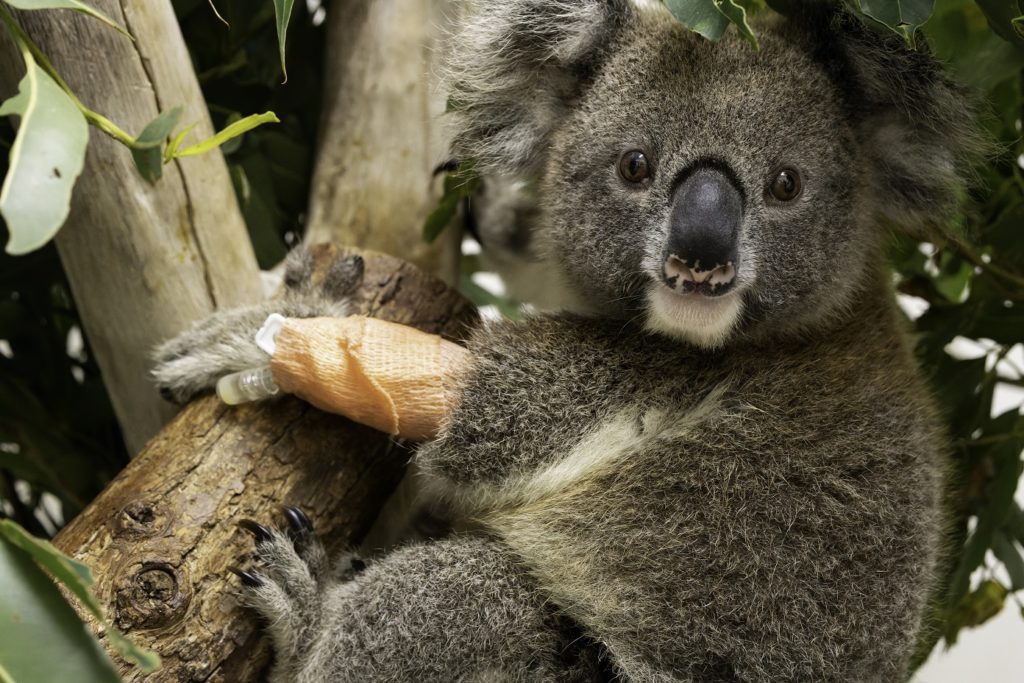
(451, 610)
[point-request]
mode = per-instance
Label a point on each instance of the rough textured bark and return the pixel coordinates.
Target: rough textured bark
(382, 130)
(160, 537)
(144, 261)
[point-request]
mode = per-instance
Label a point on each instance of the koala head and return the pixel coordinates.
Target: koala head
(714, 190)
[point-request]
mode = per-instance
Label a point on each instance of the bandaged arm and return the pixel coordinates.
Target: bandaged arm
(388, 376)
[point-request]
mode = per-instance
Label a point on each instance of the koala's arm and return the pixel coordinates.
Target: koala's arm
(193, 361)
(535, 387)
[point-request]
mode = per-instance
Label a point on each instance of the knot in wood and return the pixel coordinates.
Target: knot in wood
(139, 519)
(155, 595)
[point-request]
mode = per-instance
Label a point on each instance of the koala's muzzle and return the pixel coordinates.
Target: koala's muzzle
(701, 253)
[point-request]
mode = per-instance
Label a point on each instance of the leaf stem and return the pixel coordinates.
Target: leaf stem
(989, 440)
(94, 118)
(971, 255)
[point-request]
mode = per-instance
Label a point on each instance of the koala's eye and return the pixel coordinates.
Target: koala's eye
(786, 185)
(634, 167)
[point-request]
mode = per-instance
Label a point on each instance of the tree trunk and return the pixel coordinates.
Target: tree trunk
(144, 261)
(381, 131)
(160, 537)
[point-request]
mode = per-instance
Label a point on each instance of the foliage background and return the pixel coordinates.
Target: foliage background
(60, 443)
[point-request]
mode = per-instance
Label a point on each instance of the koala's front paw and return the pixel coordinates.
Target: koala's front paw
(192, 362)
(224, 343)
(286, 587)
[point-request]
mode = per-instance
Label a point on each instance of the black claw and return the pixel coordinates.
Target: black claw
(248, 578)
(260, 533)
(297, 520)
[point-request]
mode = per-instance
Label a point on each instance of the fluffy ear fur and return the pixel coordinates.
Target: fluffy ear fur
(918, 126)
(519, 65)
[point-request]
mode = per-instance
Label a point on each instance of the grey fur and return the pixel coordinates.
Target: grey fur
(746, 494)
(457, 609)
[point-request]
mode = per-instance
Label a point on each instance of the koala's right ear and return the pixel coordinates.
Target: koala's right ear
(517, 65)
(920, 128)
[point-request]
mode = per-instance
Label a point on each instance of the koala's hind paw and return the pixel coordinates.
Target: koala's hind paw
(286, 585)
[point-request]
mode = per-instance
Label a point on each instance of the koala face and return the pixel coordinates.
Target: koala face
(712, 190)
(715, 194)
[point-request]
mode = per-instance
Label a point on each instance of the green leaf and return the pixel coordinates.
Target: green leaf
(902, 16)
(146, 151)
(77, 578)
(157, 130)
(231, 146)
(738, 16)
(1004, 16)
(1006, 458)
(175, 144)
(46, 158)
(43, 638)
(233, 131)
(1015, 523)
(954, 276)
(75, 5)
(976, 608)
(1007, 553)
(701, 16)
(283, 13)
(710, 18)
(440, 217)
(458, 184)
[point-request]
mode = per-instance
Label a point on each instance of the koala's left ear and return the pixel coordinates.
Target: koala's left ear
(516, 67)
(919, 127)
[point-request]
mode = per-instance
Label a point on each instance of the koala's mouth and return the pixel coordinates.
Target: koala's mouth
(703, 319)
(684, 277)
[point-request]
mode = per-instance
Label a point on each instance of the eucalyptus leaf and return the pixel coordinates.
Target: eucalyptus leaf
(283, 14)
(76, 5)
(902, 16)
(77, 578)
(710, 18)
(1004, 16)
(47, 156)
(174, 145)
(1006, 458)
(440, 217)
(458, 185)
(229, 133)
(700, 16)
(738, 16)
(976, 608)
(146, 152)
(953, 279)
(157, 130)
(43, 638)
(1007, 553)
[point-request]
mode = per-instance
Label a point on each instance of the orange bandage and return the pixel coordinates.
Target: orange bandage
(389, 376)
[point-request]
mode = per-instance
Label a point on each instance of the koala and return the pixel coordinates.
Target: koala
(723, 464)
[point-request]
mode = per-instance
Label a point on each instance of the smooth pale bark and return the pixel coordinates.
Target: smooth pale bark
(160, 537)
(382, 130)
(144, 261)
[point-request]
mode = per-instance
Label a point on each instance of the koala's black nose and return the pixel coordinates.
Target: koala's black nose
(701, 253)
